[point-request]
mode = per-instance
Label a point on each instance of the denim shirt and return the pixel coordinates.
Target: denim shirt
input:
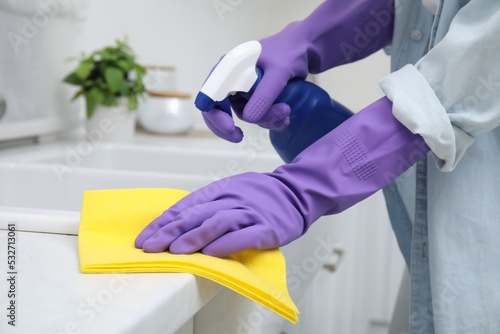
(445, 211)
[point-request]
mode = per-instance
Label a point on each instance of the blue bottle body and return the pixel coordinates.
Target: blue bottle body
(313, 114)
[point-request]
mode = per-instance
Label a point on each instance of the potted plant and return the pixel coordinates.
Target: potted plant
(111, 82)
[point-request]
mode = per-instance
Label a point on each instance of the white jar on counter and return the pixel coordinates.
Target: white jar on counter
(166, 112)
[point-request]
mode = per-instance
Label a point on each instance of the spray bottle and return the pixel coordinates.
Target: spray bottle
(313, 113)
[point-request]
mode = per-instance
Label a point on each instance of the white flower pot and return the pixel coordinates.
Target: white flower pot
(112, 124)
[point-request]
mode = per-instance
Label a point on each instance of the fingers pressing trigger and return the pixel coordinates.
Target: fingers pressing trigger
(263, 97)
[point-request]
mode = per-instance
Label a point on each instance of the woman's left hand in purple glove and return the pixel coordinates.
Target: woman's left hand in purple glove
(244, 211)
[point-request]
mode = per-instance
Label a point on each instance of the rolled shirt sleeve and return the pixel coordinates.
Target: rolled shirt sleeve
(452, 94)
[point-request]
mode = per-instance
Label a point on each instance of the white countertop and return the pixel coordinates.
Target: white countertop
(52, 296)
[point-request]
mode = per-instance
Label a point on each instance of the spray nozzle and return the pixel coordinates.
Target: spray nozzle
(236, 72)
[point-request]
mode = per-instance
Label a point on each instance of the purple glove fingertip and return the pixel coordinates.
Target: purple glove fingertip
(222, 125)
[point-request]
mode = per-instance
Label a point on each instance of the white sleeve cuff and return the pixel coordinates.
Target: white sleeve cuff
(416, 106)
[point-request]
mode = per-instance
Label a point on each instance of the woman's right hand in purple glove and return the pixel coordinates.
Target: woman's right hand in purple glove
(281, 59)
(259, 109)
(312, 45)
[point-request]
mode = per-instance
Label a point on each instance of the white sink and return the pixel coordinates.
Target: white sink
(54, 176)
(34, 196)
(206, 162)
(37, 186)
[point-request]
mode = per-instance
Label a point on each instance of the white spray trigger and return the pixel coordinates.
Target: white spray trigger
(235, 72)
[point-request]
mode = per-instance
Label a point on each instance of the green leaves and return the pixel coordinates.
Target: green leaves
(107, 75)
(125, 65)
(96, 95)
(73, 79)
(114, 78)
(83, 70)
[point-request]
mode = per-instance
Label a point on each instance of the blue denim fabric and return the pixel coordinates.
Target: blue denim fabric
(445, 211)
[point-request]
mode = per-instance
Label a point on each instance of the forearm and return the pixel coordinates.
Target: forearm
(358, 158)
(344, 31)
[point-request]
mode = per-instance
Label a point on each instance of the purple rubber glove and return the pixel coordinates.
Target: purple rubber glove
(269, 210)
(336, 33)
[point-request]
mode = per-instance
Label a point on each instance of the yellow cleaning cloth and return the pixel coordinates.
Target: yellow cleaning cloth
(111, 220)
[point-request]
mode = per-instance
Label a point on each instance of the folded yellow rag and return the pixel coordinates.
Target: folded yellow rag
(111, 220)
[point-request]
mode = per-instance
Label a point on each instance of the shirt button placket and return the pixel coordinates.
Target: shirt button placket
(416, 35)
